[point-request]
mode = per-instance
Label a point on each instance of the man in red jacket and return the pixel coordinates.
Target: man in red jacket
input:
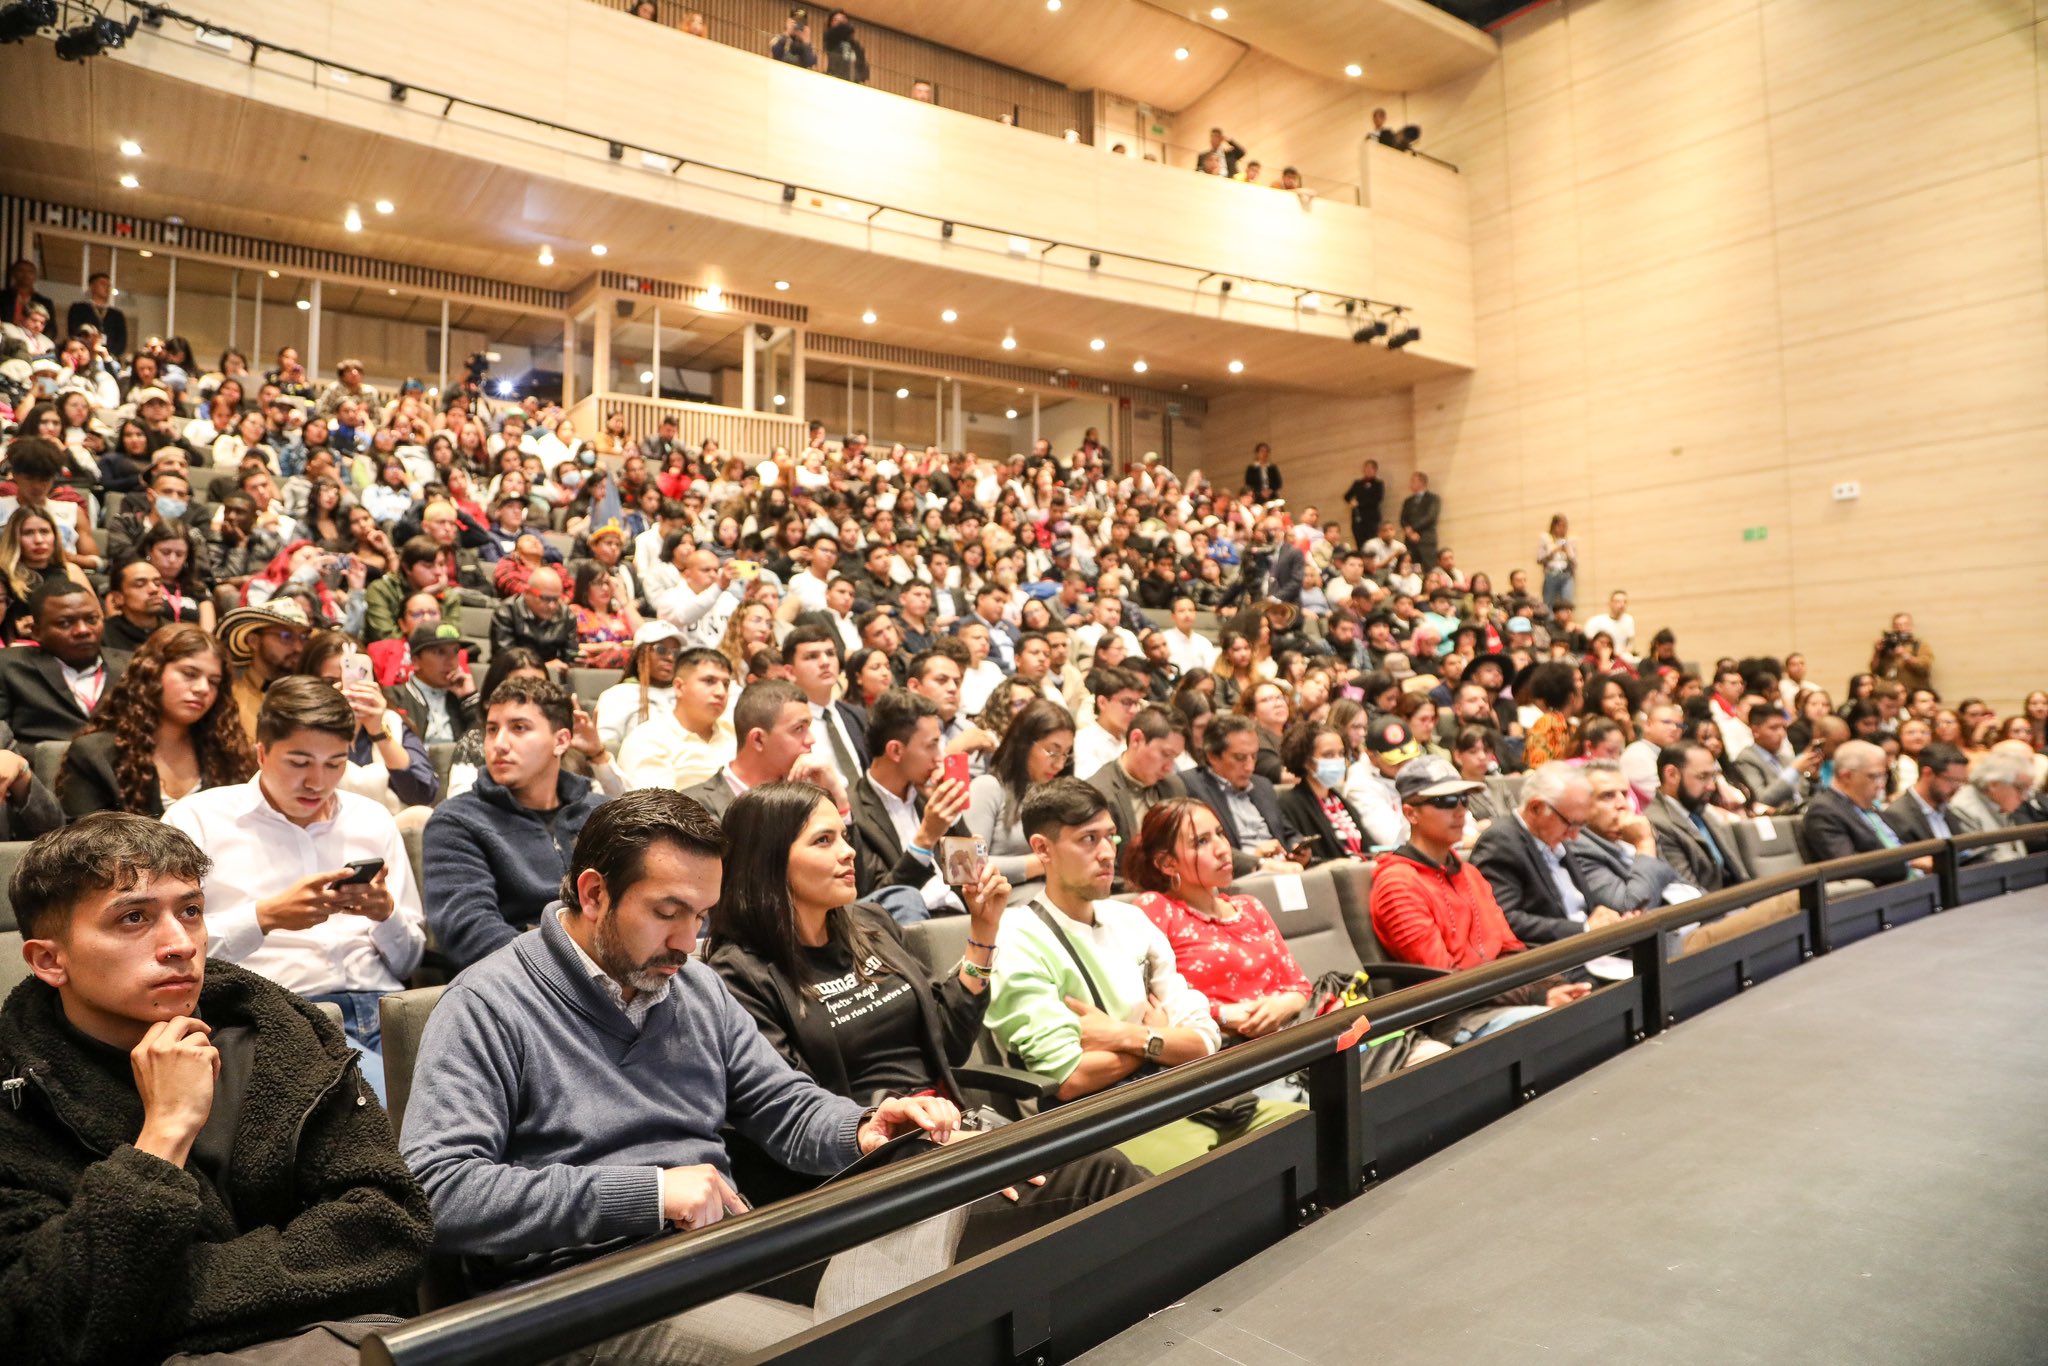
(1430, 907)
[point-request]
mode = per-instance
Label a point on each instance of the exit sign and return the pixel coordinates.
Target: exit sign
(1755, 533)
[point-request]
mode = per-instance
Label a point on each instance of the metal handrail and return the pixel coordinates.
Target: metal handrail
(611, 1294)
(2004, 834)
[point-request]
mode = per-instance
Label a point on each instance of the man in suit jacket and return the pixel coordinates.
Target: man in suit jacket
(1773, 782)
(1143, 775)
(1842, 818)
(771, 724)
(48, 691)
(1922, 811)
(1615, 856)
(1262, 476)
(1245, 804)
(1367, 494)
(1290, 567)
(838, 731)
(1419, 513)
(1524, 859)
(1690, 836)
(896, 830)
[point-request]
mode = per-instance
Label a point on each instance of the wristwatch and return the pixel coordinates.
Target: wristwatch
(1155, 1044)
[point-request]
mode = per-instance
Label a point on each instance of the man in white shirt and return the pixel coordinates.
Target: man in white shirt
(837, 735)
(704, 604)
(649, 691)
(1109, 615)
(1617, 623)
(691, 741)
(808, 587)
(983, 675)
(1187, 650)
(1118, 695)
(282, 899)
(839, 595)
(1662, 725)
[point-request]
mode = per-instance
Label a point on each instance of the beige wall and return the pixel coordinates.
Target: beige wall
(1728, 253)
(1319, 446)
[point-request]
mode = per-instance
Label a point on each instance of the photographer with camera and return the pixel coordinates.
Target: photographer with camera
(1902, 656)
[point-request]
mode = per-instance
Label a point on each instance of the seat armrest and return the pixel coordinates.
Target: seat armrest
(1014, 1082)
(1410, 973)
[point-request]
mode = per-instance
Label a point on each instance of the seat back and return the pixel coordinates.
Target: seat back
(415, 853)
(442, 757)
(1781, 853)
(1315, 932)
(476, 622)
(10, 854)
(403, 1017)
(1353, 882)
(588, 683)
(13, 968)
(47, 760)
(938, 943)
(1506, 790)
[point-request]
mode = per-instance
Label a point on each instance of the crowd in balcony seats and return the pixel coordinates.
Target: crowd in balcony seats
(315, 692)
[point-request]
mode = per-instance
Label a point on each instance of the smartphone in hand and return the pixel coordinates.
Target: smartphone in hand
(958, 769)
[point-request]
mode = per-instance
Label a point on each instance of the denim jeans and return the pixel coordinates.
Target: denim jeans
(1510, 1015)
(360, 1021)
(1558, 588)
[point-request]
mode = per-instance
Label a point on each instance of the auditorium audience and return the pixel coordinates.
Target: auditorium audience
(309, 885)
(772, 725)
(1526, 858)
(201, 1170)
(1035, 749)
(689, 742)
(493, 856)
(1246, 804)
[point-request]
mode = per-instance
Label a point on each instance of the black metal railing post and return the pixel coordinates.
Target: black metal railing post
(1340, 1140)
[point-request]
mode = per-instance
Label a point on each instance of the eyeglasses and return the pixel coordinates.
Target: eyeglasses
(1057, 756)
(1449, 802)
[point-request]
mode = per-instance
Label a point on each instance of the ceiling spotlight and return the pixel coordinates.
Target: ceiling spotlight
(1374, 329)
(617, 150)
(19, 21)
(145, 254)
(91, 38)
(129, 182)
(385, 206)
(305, 305)
(598, 248)
(1096, 343)
(391, 291)
(130, 147)
(1140, 366)
(868, 317)
(782, 284)
(272, 274)
(946, 229)
(547, 255)
(780, 400)
(1180, 54)
(903, 393)
(1354, 71)
(647, 377)
(1053, 5)
(504, 388)
(1219, 14)
(1236, 367)
(352, 220)
(1409, 333)
(789, 194)
(1010, 413)
(949, 316)
(1009, 342)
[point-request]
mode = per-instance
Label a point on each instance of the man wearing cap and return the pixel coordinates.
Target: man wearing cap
(493, 857)
(263, 644)
(1370, 786)
(608, 550)
(1430, 907)
(692, 740)
(1524, 859)
(439, 701)
(648, 690)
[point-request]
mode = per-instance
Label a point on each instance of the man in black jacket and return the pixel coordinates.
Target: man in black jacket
(48, 691)
(1245, 804)
(896, 827)
(1419, 513)
(1367, 495)
(540, 620)
(190, 1160)
(1842, 818)
(1524, 858)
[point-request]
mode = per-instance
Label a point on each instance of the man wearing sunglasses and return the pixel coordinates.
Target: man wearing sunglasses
(1524, 859)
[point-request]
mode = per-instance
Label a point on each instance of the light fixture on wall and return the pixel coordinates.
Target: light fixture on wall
(1235, 367)
(145, 253)
(305, 305)
(1019, 246)
(1374, 329)
(868, 317)
(1219, 14)
(1009, 342)
(1408, 332)
(617, 150)
(946, 229)
(780, 400)
(647, 377)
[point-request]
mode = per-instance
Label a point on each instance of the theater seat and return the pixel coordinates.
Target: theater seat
(10, 854)
(1315, 934)
(403, 1018)
(588, 683)
(1778, 854)
(939, 943)
(13, 970)
(442, 757)
(48, 759)
(1506, 790)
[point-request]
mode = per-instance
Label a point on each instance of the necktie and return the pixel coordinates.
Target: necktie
(841, 755)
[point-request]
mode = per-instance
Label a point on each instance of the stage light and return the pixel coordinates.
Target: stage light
(868, 317)
(352, 221)
(272, 274)
(1376, 328)
(1409, 333)
(1219, 14)
(92, 38)
(1236, 367)
(504, 388)
(305, 305)
(1010, 413)
(145, 253)
(21, 19)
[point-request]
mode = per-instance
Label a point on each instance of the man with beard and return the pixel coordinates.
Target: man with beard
(645, 1058)
(263, 644)
(1691, 837)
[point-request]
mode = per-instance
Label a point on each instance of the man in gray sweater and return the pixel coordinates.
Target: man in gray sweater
(571, 1086)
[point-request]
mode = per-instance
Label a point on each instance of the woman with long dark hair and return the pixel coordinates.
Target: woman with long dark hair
(839, 995)
(166, 728)
(1035, 749)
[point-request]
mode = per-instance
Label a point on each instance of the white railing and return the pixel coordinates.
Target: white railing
(753, 435)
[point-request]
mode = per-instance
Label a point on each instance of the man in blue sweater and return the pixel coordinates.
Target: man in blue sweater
(571, 1087)
(492, 859)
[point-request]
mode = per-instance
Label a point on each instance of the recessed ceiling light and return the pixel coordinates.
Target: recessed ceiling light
(145, 255)
(868, 317)
(1053, 5)
(1236, 367)
(352, 221)
(1180, 54)
(782, 284)
(1096, 343)
(1219, 14)
(949, 316)
(1140, 366)
(130, 147)
(547, 255)
(598, 248)
(385, 206)
(1021, 246)
(1354, 71)
(129, 182)
(273, 275)
(647, 377)
(1010, 413)
(779, 400)
(391, 291)
(903, 393)
(305, 305)
(1009, 343)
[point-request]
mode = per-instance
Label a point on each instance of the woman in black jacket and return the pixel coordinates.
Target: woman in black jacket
(839, 995)
(1316, 805)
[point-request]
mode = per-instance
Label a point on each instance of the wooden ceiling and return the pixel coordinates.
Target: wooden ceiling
(1127, 46)
(229, 163)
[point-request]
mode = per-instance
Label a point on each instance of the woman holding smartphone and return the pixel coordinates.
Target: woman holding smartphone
(837, 992)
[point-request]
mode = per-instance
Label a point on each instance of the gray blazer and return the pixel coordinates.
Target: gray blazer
(714, 792)
(1679, 844)
(1970, 811)
(1782, 788)
(1616, 875)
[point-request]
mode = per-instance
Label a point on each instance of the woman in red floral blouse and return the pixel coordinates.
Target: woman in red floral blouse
(1225, 945)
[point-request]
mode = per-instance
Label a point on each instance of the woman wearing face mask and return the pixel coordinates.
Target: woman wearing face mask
(1316, 805)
